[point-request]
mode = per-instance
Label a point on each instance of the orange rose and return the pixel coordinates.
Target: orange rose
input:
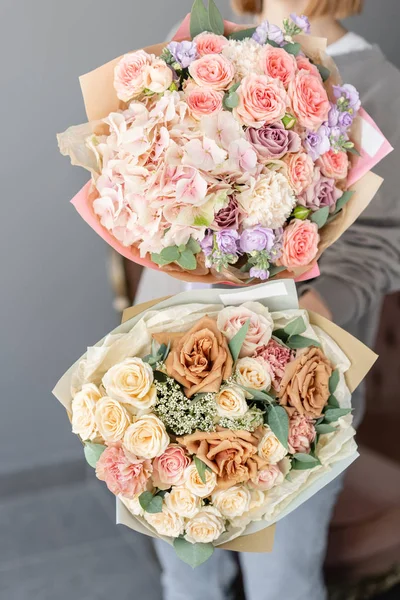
(199, 359)
(305, 384)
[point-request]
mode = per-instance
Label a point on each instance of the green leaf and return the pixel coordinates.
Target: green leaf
(193, 554)
(275, 270)
(215, 18)
(258, 395)
(272, 43)
(332, 402)
(201, 468)
(234, 87)
(236, 343)
(303, 462)
(323, 71)
(299, 341)
(343, 200)
(295, 327)
(281, 335)
(292, 48)
(278, 420)
(320, 216)
(187, 260)
(198, 18)
(333, 414)
(333, 381)
(149, 503)
(93, 453)
(170, 254)
(242, 35)
(231, 100)
(158, 260)
(324, 428)
(193, 245)
(353, 151)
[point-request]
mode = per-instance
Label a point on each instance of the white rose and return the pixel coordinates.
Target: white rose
(205, 527)
(112, 419)
(231, 402)
(146, 437)
(130, 381)
(83, 411)
(255, 511)
(257, 499)
(233, 502)
(232, 318)
(166, 522)
(251, 373)
(157, 76)
(270, 448)
(194, 483)
(183, 502)
(133, 505)
(268, 201)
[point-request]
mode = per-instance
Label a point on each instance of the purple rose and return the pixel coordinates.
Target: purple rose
(228, 217)
(227, 241)
(267, 31)
(345, 120)
(322, 192)
(302, 22)
(207, 244)
(273, 141)
(262, 274)
(184, 52)
(317, 142)
(257, 238)
(348, 97)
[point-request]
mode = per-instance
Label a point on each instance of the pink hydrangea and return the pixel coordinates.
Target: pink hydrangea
(275, 357)
(123, 473)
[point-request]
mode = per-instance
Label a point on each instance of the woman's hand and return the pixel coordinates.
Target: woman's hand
(311, 300)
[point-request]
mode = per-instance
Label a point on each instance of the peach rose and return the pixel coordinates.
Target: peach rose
(279, 64)
(157, 76)
(233, 502)
(146, 437)
(129, 74)
(261, 101)
(210, 43)
(183, 502)
(204, 101)
(267, 478)
(169, 468)
(199, 359)
(300, 244)
(300, 171)
(231, 455)
(305, 385)
(309, 100)
(253, 374)
(123, 473)
(301, 434)
(212, 71)
(232, 318)
(304, 64)
(334, 165)
(166, 522)
(270, 448)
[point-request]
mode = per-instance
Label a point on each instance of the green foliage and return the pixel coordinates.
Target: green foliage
(93, 453)
(151, 504)
(187, 260)
(236, 343)
(242, 35)
(332, 402)
(320, 216)
(192, 554)
(296, 342)
(323, 71)
(201, 468)
(292, 48)
(278, 421)
(215, 18)
(304, 462)
(199, 21)
(183, 255)
(333, 414)
(334, 381)
(343, 200)
(324, 428)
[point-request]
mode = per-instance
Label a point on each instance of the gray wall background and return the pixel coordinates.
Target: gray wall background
(55, 296)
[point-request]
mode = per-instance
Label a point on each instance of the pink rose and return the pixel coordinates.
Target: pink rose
(275, 357)
(261, 101)
(300, 171)
(304, 64)
(334, 165)
(157, 76)
(279, 64)
(212, 71)
(309, 100)
(300, 244)
(301, 434)
(210, 43)
(169, 467)
(204, 101)
(232, 318)
(267, 478)
(123, 473)
(128, 74)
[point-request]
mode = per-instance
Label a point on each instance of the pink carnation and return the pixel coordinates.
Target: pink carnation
(129, 74)
(309, 100)
(213, 71)
(334, 165)
(123, 473)
(278, 64)
(210, 43)
(300, 244)
(169, 467)
(301, 434)
(267, 478)
(275, 357)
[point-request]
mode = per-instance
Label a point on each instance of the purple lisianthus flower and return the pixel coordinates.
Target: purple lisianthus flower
(302, 22)
(317, 142)
(227, 241)
(262, 274)
(333, 116)
(273, 141)
(256, 239)
(348, 97)
(345, 120)
(267, 31)
(207, 244)
(228, 217)
(322, 192)
(183, 52)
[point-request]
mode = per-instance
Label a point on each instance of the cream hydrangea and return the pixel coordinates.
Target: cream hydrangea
(205, 527)
(233, 502)
(83, 411)
(268, 201)
(166, 522)
(245, 56)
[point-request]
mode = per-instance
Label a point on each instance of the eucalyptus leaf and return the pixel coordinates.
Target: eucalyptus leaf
(242, 34)
(199, 21)
(170, 254)
(281, 335)
(299, 341)
(324, 428)
(275, 270)
(193, 245)
(236, 343)
(333, 402)
(292, 48)
(303, 462)
(258, 395)
(151, 504)
(201, 468)
(192, 554)
(234, 87)
(278, 421)
(158, 260)
(320, 216)
(323, 71)
(272, 43)
(354, 151)
(187, 260)
(333, 414)
(160, 376)
(334, 381)
(93, 453)
(231, 100)
(215, 18)
(295, 327)
(343, 200)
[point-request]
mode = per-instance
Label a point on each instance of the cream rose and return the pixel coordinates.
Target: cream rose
(130, 381)
(233, 502)
(231, 402)
(194, 483)
(146, 437)
(251, 373)
(270, 447)
(157, 76)
(166, 522)
(183, 502)
(205, 527)
(133, 505)
(112, 419)
(83, 411)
